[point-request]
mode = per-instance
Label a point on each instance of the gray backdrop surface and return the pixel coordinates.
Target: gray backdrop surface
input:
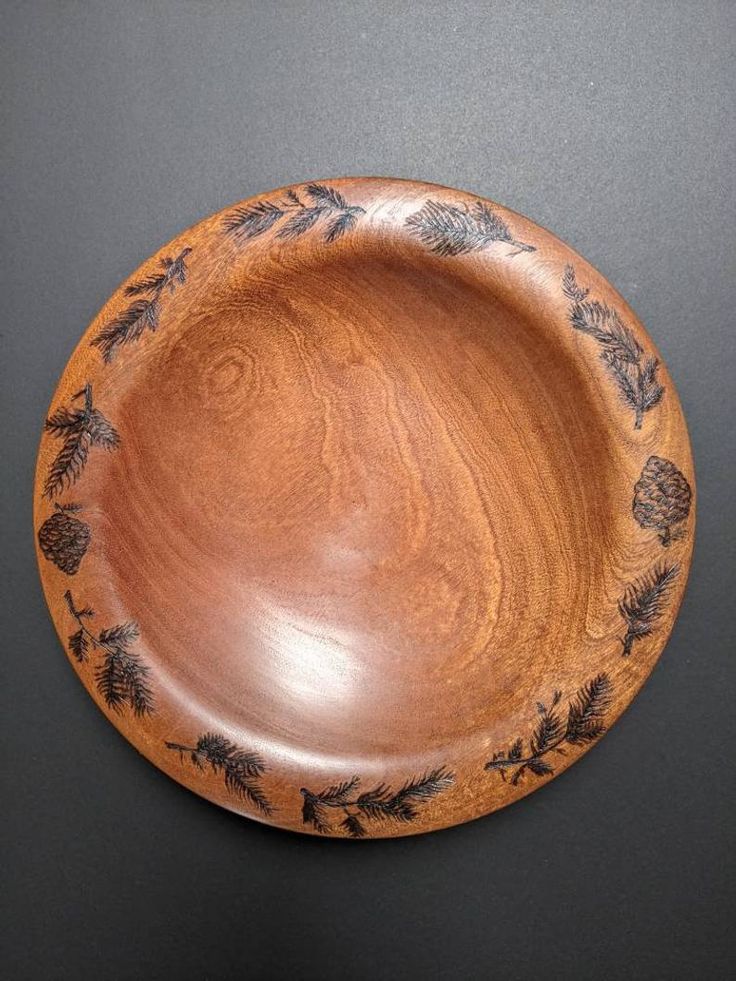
(611, 124)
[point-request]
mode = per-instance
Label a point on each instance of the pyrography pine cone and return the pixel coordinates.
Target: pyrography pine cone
(661, 497)
(64, 539)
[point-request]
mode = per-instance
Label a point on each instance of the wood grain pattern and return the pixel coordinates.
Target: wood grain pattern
(391, 465)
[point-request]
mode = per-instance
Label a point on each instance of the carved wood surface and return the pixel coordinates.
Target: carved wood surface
(364, 507)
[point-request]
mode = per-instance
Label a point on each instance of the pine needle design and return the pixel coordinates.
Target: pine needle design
(584, 723)
(325, 205)
(379, 804)
(143, 313)
(121, 676)
(644, 602)
(662, 497)
(79, 428)
(449, 229)
(635, 375)
(242, 771)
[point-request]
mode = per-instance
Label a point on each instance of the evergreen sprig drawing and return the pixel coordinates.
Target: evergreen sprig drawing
(143, 313)
(584, 723)
(79, 427)
(325, 205)
(635, 374)
(662, 497)
(120, 674)
(241, 770)
(449, 229)
(644, 602)
(381, 803)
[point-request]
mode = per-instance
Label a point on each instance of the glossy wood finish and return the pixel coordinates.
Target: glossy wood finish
(371, 496)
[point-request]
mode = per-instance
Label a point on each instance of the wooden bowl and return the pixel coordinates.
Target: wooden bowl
(364, 507)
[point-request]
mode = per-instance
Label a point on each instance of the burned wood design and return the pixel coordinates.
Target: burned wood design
(584, 724)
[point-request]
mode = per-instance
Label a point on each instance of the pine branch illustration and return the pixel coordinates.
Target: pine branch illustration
(122, 680)
(313, 807)
(651, 390)
(79, 429)
(637, 385)
(101, 432)
(68, 464)
(644, 602)
(127, 327)
(255, 220)
(143, 314)
(121, 676)
(78, 645)
(313, 812)
(64, 421)
(241, 770)
(570, 286)
(379, 804)
(123, 634)
(620, 351)
(338, 793)
(605, 325)
(585, 715)
(352, 826)
(326, 202)
(327, 197)
(300, 222)
(149, 284)
(549, 727)
(343, 223)
(109, 681)
(587, 710)
(449, 230)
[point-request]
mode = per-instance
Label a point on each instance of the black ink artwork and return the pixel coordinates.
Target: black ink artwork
(622, 354)
(143, 313)
(64, 539)
(120, 674)
(449, 229)
(325, 206)
(662, 498)
(79, 428)
(644, 603)
(241, 770)
(355, 809)
(584, 723)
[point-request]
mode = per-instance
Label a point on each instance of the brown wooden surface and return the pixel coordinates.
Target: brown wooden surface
(369, 504)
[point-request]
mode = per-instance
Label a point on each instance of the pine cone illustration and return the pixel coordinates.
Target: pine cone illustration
(64, 539)
(662, 498)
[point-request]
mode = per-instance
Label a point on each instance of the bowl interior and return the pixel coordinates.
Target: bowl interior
(369, 501)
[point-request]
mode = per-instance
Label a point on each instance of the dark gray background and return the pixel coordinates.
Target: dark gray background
(611, 124)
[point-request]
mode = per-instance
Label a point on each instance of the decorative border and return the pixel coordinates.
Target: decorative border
(144, 313)
(661, 503)
(451, 229)
(326, 202)
(241, 770)
(380, 804)
(634, 374)
(121, 675)
(584, 724)
(644, 603)
(79, 428)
